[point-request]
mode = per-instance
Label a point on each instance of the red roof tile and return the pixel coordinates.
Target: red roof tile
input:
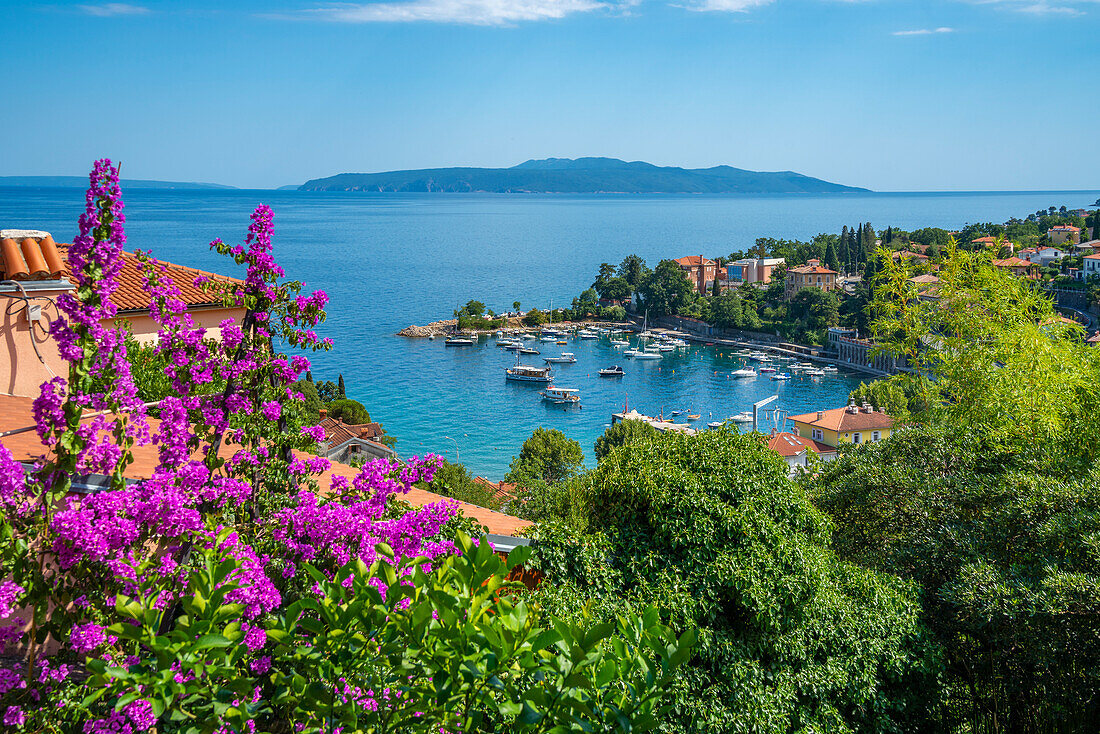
(812, 270)
(788, 444)
(842, 419)
(693, 261)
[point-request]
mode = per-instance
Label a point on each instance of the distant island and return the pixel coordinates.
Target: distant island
(81, 182)
(581, 176)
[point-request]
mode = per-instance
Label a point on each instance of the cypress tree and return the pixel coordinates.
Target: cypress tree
(340, 388)
(842, 254)
(830, 257)
(309, 376)
(1096, 225)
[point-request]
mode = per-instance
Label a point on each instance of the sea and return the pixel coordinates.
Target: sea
(391, 260)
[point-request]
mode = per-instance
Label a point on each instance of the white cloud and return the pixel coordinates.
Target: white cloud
(1042, 8)
(925, 31)
(724, 6)
(109, 10)
(1039, 7)
(469, 12)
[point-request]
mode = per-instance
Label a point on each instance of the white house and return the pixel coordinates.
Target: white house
(1042, 255)
(1091, 265)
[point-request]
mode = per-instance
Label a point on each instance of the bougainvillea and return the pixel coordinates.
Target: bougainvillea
(232, 507)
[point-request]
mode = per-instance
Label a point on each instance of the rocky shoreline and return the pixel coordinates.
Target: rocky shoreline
(447, 326)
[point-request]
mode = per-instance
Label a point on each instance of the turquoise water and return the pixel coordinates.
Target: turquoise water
(390, 260)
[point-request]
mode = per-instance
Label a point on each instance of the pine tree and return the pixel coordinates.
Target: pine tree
(340, 388)
(309, 376)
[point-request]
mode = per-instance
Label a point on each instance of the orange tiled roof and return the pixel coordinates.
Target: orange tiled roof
(843, 419)
(926, 278)
(985, 240)
(693, 261)
(1064, 228)
(812, 270)
(1012, 262)
(788, 444)
(16, 412)
(908, 254)
(502, 491)
(37, 257)
(1093, 256)
(336, 431)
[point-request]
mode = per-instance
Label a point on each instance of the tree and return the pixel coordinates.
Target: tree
(312, 401)
(616, 289)
(349, 411)
(515, 305)
(622, 434)
(1096, 225)
(633, 270)
(1002, 360)
(817, 309)
(1002, 554)
(340, 392)
(327, 391)
(902, 396)
(666, 290)
(534, 317)
(547, 456)
(842, 252)
(831, 260)
(607, 272)
(727, 310)
(709, 529)
(454, 480)
(472, 309)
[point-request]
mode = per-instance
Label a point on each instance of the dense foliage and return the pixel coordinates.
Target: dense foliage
(228, 592)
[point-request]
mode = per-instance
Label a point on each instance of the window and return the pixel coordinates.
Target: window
(876, 436)
(857, 438)
(818, 435)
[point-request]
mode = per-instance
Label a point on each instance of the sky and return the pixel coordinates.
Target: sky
(892, 95)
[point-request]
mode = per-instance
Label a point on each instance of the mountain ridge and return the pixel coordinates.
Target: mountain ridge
(68, 182)
(592, 175)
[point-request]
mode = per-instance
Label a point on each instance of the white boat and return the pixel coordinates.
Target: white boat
(528, 350)
(507, 343)
(764, 370)
(635, 354)
(526, 373)
(742, 417)
(716, 424)
(459, 341)
(748, 372)
(666, 348)
(588, 335)
(619, 344)
(561, 395)
(565, 358)
(549, 339)
(678, 343)
(830, 370)
(525, 335)
(781, 376)
(615, 371)
(815, 373)
(498, 333)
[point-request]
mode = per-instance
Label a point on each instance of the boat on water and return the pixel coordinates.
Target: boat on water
(639, 354)
(587, 335)
(459, 341)
(830, 370)
(742, 417)
(565, 358)
(513, 346)
(665, 347)
(815, 373)
(716, 424)
(694, 416)
(781, 376)
(525, 335)
(561, 395)
(765, 370)
(562, 342)
(619, 343)
(527, 373)
(747, 372)
(615, 371)
(528, 350)
(549, 339)
(678, 343)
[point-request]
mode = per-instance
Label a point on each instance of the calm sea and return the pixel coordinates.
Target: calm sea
(390, 260)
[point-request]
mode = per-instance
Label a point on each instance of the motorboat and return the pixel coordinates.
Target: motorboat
(615, 371)
(528, 350)
(549, 339)
(587, 335)
(637, 354)
(716, 424)
(506, 343)
(459, 341)
(561, 395)
(781, 376)
(619, 344)
(513, 346)
(525, 335)
(694, 417)
(527, 373)
(830, 369)
(562, 342)
(565, 358)
(665, 347)
(763, 370)
(747, 372)
(678, 343)
(742, 417)
(815, 373)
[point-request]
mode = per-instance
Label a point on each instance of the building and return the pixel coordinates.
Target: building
(34, 271)
(811, 275)
(503, 492)
(345, 442)
(927, 285)
(851, 350)
(1090, 265)
(988, 242)
(850, 424)
(1063, 233)
(1015, 265)
(914, 257)
(699, 270)
(753, 269)
(796, 450)
(1042, 255)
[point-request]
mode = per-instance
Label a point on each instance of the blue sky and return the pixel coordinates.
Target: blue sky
(887, 94)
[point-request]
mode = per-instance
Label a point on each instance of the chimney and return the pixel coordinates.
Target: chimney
(820, 414)
(324, 413)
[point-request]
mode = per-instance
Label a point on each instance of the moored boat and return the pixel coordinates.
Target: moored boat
(615, 371)
(565, 358)
(747, 372)
(459, 341)
(561, 395)
(528, 350)
(742, 417)
(527, 373)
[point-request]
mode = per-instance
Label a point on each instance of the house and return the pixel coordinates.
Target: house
(1090, 264)
(754, 269)
(811, 275)
(850, 424)
(987, 242)
(1094, 339)
(1042, 255)
(344, 442)
(915, 257)
(1062, 233)
(928, 286)
(34, 271)
(502, 491)
(1088, 247)
(1015, 265)
(699, 270)
(796, 450)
